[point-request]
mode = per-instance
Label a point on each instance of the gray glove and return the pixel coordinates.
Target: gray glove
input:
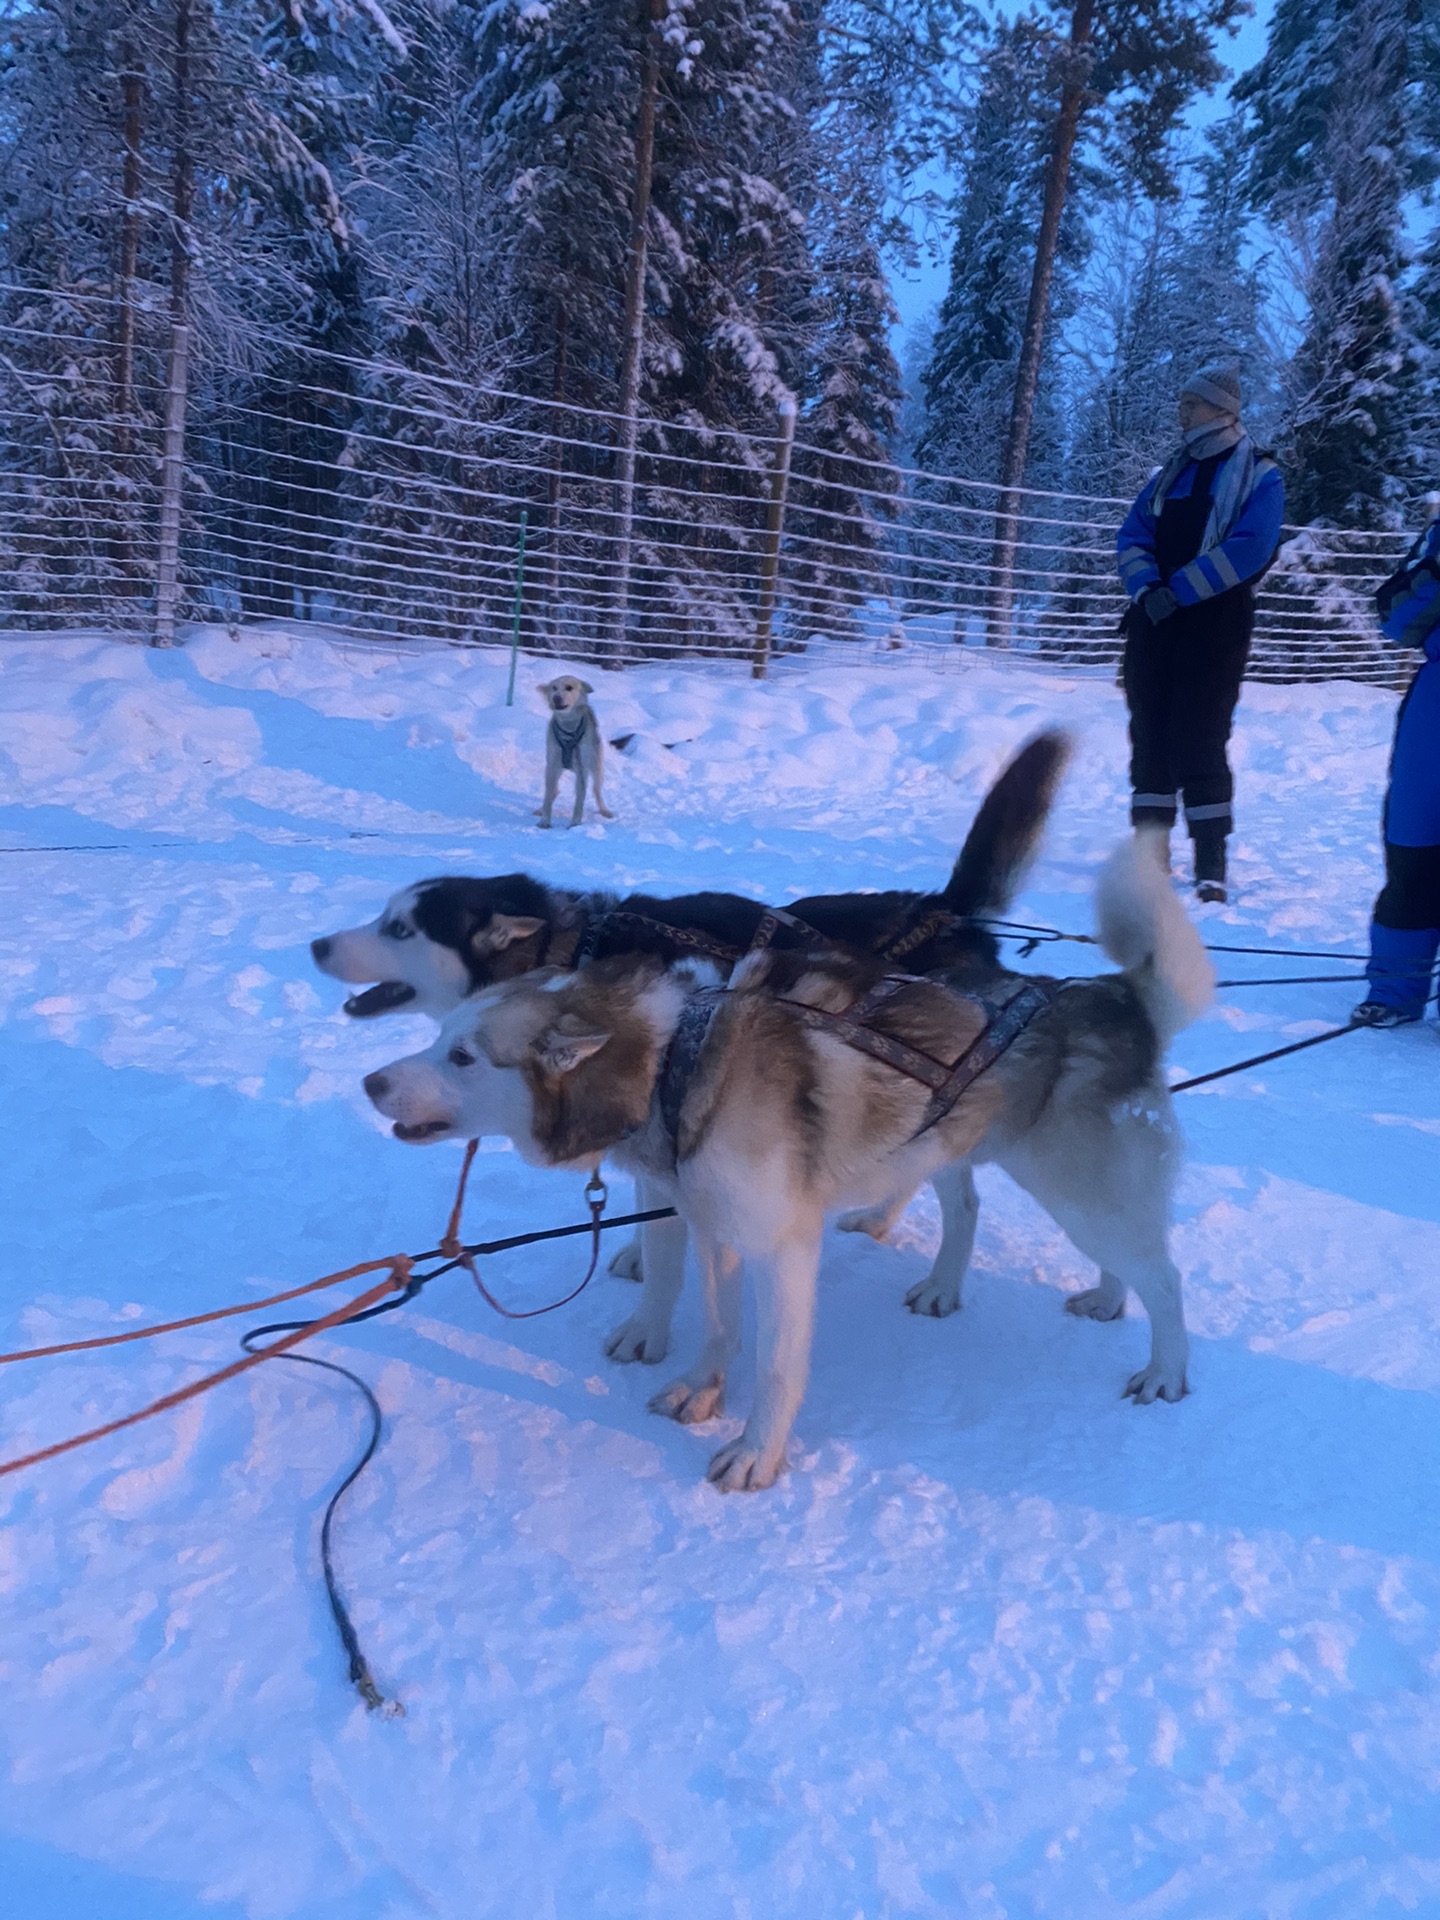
(1158, 604)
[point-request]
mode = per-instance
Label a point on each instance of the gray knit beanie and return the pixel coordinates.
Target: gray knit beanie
(1217, 386)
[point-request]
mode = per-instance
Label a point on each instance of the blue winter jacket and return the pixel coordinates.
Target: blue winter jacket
(1409, 601)
(1245, 552)
(1409, 604)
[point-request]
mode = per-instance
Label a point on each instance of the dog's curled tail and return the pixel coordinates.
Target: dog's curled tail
(1144, 928)
(1006, 831)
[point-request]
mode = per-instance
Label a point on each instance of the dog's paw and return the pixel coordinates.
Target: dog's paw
(626, 1263)
(638, 1340)
(545, 824)
(934, 1297)
(1097, 1303)
(1156, 1383)
(604, 812)
(691, 1401)
(876, 1221)
(740, 1468)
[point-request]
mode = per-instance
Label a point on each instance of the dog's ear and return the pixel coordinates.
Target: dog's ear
(585, 687)
(544, 686)
(562, 1048)
(502, 930)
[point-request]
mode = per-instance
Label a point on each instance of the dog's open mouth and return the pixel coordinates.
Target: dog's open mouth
(383, 998)
(422, 1130)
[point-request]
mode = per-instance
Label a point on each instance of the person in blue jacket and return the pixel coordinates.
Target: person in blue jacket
(1405, 929)
(1200, 534)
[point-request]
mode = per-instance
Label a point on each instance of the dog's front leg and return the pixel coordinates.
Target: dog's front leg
(785, 1324)
(579, 814)
(552, 777)
(646, 1334)
(939, 1292)
(699, 1393)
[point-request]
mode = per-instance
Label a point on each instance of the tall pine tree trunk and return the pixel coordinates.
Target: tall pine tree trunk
(1076, 76)
(177, 369)
(634, 336)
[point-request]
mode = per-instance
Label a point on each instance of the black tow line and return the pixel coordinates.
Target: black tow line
(1259, 1059)
(359, 1673)
(1033, 937)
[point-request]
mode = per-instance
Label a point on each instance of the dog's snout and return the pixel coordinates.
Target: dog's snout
(376, 1085)
(319, 951)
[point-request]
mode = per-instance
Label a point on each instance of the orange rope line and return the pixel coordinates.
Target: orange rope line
(195, 1320)
(396, 1279)
(450, 1245)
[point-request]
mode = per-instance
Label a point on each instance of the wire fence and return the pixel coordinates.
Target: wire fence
(383, 502)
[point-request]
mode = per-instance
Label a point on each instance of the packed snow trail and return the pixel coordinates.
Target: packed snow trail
(998, 1645)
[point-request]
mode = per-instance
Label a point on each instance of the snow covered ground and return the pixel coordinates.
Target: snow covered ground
(1000, 1645)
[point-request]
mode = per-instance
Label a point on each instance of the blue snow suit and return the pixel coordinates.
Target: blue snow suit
(1405, 931)
(1182, 677)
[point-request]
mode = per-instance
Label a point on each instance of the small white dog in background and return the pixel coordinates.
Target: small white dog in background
(572, 745)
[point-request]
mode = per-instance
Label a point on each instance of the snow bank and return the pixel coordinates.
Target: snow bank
(999, 1645)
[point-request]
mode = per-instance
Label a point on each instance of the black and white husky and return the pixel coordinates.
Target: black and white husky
(434, 944)
(778, 1120)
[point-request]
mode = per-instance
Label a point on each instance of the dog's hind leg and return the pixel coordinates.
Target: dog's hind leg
(600, 806)
(785, 1325)
(625, 1265)
(699, 1393)
(1110, 1193)
(1128, 1245)
(1105, 1302)
(878, 1220)
(938, 1294)
(1156, 1279)
(646, 1334)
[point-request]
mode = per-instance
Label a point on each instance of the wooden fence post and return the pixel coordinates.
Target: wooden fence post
(774, 529)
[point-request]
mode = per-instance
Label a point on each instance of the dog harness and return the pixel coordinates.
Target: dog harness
(770, 923)
(569, 739)
(1005, 1020)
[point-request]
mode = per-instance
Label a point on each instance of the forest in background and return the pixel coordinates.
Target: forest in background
(337, 263)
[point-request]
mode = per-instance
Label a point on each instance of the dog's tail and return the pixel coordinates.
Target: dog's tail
(1145, 929)
(1006, 831)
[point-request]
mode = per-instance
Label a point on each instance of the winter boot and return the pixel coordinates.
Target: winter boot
(1209, 838)
(1375, 1013)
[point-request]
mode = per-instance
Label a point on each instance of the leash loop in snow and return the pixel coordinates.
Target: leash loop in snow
(596, 1195)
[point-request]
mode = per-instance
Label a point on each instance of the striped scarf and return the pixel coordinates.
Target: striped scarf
(1234, 483)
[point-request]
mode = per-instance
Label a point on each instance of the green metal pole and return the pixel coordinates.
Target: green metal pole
(519, 591)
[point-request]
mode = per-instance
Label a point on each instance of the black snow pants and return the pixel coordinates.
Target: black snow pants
(1182, 680)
